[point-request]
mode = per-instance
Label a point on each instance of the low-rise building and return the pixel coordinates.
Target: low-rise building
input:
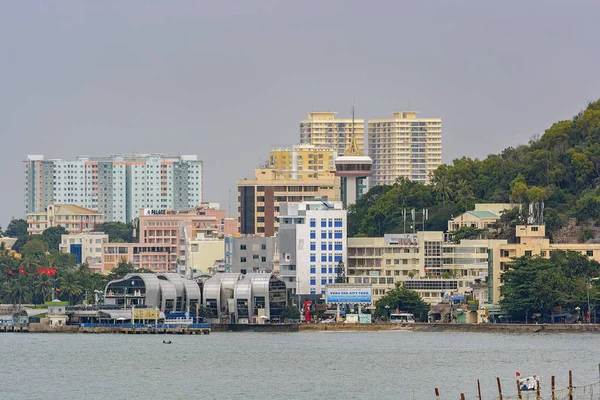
(484, 216)
(86, 246)
(153, 257)
(245, 254)
(169, 293)
(74, 219)
(245, 299)
(202, 253)
(427, 262)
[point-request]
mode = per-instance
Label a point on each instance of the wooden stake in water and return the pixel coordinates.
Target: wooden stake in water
(553, 388)
(537, 390)
(437, 394)
(479, 389)
(570, 385)
(519, 395)
(462, 396)
(500, 389)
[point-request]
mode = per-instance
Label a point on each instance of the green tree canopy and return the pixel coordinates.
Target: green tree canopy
(118, 232)
(52, 236)
(537, 285)
(404, 300)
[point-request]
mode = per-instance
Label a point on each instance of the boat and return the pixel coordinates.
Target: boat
(166, 341)
(529, 383)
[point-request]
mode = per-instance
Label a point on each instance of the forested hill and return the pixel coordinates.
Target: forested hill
(562, 168)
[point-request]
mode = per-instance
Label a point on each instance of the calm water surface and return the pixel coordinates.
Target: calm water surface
(320, 365)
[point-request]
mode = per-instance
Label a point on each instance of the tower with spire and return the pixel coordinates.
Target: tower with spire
(353, 168)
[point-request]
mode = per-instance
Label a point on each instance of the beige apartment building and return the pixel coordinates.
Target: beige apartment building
(259, 198)
(304, 161)
(324, 129)
(404, 146)
(74, 219)
(426, 262)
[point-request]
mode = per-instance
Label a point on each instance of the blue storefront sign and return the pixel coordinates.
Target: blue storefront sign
(349, 295)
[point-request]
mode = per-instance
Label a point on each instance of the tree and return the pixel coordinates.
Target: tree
(340, 270)
(404, 300)
(70, 284)
(44, 287)
(118, 232)
(17, 228)
(123, 268)
(52, 236)
(17, 290)
(537, 285)
(467, 232)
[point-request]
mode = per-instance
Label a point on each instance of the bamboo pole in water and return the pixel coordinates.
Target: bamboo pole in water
(462, 396)
(519, 395)
(537, 390)
(570, 385)
(479, 389)
(553, 388)
(500, 388)
(437, 394)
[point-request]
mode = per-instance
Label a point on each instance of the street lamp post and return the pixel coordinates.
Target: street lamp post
(387, 311)
(578, 309)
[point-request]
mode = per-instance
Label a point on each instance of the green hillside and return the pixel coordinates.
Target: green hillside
(562, 168)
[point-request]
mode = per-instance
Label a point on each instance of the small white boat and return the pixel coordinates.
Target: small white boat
(529, 383)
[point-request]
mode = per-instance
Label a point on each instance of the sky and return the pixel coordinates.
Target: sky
(228, 80)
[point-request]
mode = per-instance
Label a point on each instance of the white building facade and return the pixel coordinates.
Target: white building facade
(86, 246)
(312, 238)
(116, 186)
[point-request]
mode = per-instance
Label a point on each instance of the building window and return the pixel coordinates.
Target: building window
(313, 269)
(263, 246)
(338, 234)
(313, 235)
(255, 256)
(242, 247)
(313, 258)
(323, 234)
(323, 257)
(528, 253)
(338, 257)
(242, 259)
(323, 223)
(338, 223)
(313, 223)
(323, 246)
(323, 270)
(338, 246)
(589, 253)
(263, 259)
(313, 281)
(323, 281)
(313, 246)
(534, 229)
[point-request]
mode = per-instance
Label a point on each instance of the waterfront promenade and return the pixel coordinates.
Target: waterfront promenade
(289, 328)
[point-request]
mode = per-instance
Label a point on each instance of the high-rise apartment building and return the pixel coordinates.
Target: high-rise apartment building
(259, 198)
(305, 161)
(323, 129)
(117, 186)
(404, 146)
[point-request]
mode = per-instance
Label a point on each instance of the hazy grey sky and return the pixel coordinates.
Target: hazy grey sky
(227, 80)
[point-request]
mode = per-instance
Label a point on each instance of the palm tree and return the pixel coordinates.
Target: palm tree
(17, 290)
(441, 186)
(69, 283)
(44, 286)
